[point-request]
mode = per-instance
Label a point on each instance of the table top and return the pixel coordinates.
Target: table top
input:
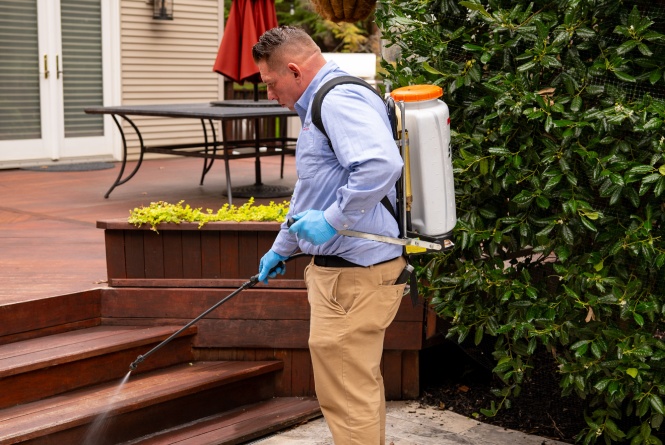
(204, 110)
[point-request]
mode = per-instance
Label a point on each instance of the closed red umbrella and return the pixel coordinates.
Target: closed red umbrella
(248, 20)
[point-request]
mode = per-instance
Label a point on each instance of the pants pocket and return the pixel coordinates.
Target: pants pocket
(322, 284)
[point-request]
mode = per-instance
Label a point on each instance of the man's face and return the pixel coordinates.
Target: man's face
(283, 85)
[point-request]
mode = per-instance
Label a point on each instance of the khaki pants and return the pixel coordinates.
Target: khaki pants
(350, 311)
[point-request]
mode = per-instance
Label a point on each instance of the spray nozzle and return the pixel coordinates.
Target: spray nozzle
(135, 363)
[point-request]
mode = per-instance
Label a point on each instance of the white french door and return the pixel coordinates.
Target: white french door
(55, 62)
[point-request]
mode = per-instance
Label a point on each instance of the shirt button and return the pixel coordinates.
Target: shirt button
(346, 226)
(362, 211)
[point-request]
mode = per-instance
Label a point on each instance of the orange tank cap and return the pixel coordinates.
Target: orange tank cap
(417, 93)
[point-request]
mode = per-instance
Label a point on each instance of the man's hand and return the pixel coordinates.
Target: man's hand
(312, 226)
(269, 261)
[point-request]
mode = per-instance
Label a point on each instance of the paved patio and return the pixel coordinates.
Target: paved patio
(408, 423)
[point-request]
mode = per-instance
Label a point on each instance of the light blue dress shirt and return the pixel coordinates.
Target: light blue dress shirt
(349, 182)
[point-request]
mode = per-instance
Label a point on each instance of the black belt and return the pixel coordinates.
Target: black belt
(336, 261)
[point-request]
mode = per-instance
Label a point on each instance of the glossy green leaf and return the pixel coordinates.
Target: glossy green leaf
(588, 224)
(501, 151)
(657, 403)
(655, 76)
(568, 235)
(641, 169)
(576, 103)
(626, 46)
(624, 76)
(471, 47)
(430, 69)
(526, 67)
(638, 319)
(475, 7)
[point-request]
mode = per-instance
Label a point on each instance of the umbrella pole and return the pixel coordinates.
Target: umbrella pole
(257, 161)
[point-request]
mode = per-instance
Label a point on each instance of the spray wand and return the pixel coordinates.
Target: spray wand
(246, 285)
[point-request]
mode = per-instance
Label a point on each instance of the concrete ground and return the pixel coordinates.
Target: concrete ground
(409, 423)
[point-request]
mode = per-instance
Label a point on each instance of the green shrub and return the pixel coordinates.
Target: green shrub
(557, 128)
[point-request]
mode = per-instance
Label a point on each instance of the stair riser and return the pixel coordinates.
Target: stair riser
(52, 330)
(140, 422)
(23, 320)
(58, 379)
(255, 318)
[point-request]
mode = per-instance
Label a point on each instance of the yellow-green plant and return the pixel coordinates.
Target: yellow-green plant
(162, 212)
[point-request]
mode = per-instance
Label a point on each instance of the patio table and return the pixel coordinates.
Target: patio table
(210, 148)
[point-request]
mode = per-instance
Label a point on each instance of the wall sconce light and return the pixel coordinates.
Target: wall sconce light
(163, 10)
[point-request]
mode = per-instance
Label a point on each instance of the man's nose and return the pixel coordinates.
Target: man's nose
(271, 95)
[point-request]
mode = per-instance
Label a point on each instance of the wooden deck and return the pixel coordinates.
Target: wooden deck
(49, 244)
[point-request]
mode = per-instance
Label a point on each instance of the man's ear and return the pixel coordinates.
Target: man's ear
(295, 70)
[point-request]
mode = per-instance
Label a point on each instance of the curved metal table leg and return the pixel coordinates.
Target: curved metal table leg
(119, 180)
(227, 170)
(208, 161)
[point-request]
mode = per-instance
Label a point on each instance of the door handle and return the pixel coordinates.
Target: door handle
(57, 66)
(45, 66)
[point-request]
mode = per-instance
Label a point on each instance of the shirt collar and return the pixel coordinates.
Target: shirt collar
(302, 105)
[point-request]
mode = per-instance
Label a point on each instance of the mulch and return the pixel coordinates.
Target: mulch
(461, 381)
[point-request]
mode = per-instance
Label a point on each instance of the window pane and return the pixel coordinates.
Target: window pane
(20, 116)
(82, 65)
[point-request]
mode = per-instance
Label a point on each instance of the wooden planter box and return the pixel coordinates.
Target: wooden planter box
(172, 276)
(219, 254)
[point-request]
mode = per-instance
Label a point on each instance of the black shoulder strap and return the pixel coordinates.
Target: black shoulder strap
(321, 94)
(318, 122)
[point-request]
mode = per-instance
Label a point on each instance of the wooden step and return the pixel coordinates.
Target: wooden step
(46, 366)
(143, 405)
(239, 425)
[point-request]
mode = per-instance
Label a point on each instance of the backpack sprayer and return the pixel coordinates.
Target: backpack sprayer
(427, 206)
(426, 212)
(426, 221)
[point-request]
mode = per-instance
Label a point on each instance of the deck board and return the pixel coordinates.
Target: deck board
(49, 244)
(79, 344)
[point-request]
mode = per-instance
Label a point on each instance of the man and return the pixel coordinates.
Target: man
(350, 280)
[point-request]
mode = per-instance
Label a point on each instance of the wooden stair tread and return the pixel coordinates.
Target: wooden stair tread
(56, 349)
(239, 425)
(83, 406)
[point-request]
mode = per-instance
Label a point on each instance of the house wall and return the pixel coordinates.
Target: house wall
(169, 62)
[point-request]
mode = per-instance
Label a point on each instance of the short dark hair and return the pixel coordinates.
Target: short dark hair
(273, 39)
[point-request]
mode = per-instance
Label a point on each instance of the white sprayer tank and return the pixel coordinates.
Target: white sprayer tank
(431, 169)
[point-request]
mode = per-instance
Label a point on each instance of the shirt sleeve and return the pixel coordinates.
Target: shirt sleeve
(357, 125)
(285, 243)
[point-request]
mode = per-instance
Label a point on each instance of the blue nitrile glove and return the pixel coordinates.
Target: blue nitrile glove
(312, 226)
(270, 260)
